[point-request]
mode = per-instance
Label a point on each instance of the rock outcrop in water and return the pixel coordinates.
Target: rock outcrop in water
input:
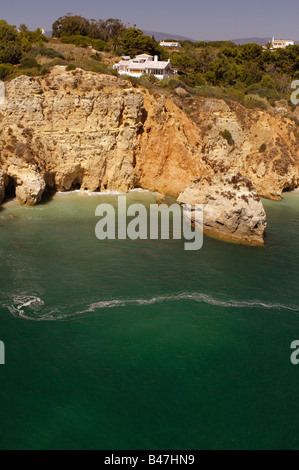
(82, 130)
(232, 209)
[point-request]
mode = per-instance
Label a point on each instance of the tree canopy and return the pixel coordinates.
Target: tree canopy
(247, 68)
(10, 44)
(14, 42)
(70, 25)
(134, 42)
(129, 41)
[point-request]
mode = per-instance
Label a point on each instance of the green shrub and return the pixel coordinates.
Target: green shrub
(227, 136)
(45, 71)
(197, 79)
(133, 80)
(208, 91)
(222, 44)
(113, 72)
(31, 72)
(78, 41)
(58, 61)
(292, 118)
(85, 41)
(10, 53)
(263, 148)
(5, 71)
(105, 70)
(50, 53)
(235, 95)
(71, 67)
(94, 66)
(29, 63)
(171, 83)
(96, 57)
(269, 93)
(256, 102)
(100, 45)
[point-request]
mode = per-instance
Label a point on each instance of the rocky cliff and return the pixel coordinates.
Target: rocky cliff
(88, 131)
(69, 130)
(263, 146)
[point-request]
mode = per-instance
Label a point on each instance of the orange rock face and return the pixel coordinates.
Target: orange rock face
(169, 156)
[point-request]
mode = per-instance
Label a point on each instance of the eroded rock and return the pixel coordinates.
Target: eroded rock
(232, 209)
(29, 185)
(30, 190)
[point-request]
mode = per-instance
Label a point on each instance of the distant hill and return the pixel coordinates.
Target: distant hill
(164, 36)
(159, 36)
(261, 41)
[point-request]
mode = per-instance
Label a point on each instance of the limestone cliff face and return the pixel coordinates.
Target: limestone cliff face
(169, 156)
(263, 147)
(97, 132)
(69, 130)
(232, 209)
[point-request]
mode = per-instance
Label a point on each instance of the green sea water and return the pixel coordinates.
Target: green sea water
(122, 345)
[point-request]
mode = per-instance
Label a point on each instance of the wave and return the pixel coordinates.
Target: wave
(99, 193)
(195, 297)
(32, 307)
(86, 193)
(22, 302)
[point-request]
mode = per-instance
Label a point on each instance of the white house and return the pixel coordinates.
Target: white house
(170, 44)
(281, 43)
(144, 64)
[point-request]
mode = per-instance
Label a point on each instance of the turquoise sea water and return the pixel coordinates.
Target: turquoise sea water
(141, 345)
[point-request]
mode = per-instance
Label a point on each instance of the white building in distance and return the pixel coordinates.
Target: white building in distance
(144, 64)
(281, 43)
(170, 44)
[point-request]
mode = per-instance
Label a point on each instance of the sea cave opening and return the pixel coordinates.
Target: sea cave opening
(10, 190)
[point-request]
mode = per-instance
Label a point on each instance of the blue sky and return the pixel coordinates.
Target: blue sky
(198, 19)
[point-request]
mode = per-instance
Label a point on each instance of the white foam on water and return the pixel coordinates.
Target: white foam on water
(33, 308)
(87, 193)
(22, 302)
(99, 193)
(139, 190)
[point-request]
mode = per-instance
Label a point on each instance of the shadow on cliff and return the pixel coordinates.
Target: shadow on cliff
(10, 191)
(47, 197)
